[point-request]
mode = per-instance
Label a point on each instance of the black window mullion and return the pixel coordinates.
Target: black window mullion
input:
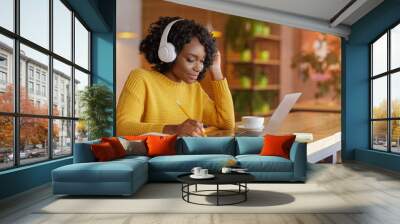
(389, 106)
(50, 87)
(371, 132)
(16, 84)
(73, 82)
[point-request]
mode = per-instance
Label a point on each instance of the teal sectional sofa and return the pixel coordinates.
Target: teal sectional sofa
(125, 176)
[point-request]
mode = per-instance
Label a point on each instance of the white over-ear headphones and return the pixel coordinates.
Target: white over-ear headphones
(166, 50)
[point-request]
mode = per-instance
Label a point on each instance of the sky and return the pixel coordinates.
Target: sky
(34, 26)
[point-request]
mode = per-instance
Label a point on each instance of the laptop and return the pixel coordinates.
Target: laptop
(278, 116)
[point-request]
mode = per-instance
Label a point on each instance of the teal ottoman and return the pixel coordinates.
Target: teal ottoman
(118, 177)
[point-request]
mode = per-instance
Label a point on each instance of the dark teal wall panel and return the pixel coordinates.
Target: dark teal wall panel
(356, 115)
(90, 12)
(24, 178)
(376, 158)
(104, 53)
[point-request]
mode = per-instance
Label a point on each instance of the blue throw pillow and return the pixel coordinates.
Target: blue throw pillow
(249, 145)
(206, 145)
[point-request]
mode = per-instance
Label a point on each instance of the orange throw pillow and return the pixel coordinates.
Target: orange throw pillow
(136, 137)
(103, 152)
(116, 145)
(277, 145)
(161, 145)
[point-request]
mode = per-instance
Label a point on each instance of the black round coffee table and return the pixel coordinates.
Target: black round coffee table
(238, 179)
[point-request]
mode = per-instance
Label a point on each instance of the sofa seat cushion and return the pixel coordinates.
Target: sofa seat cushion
(185, 163)
(257, 163)
(112, 171)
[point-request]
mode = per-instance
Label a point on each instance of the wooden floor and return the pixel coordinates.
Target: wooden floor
(378, 189)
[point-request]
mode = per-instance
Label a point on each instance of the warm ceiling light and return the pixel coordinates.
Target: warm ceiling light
(216, 34)
(127, 35)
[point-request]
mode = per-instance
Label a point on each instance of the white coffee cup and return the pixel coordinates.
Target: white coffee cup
(226, 170)
(203, 172)
(252, 121)
(196, 170)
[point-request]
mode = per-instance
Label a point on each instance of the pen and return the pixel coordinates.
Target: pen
(187, 115)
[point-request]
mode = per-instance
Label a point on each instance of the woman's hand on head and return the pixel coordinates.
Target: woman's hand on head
(215, 68)
(190, 128)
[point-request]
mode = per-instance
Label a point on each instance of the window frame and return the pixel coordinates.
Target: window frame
(16, 115)
(388, 74)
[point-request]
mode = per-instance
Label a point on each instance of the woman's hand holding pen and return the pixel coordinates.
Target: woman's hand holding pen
(190, 128)
(187, 128)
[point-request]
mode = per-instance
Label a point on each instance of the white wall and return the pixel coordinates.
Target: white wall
(129, 18)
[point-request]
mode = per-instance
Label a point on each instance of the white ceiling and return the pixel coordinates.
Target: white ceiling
(320, 9)
(317, 15)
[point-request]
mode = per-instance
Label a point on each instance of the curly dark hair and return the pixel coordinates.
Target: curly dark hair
(180, 34)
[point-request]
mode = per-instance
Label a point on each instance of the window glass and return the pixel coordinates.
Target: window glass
(81, 81)
(62, 29)
(81, 45)
(379, 135)
(6, 142)
(35, 21)
(6, 74)
(379, 98)
(7, 14)
(81, 131)
(379, 56)
(395, 94)
(62, 138)
(395, 136)
(39, 62)
(395, 47)
(34, 142)
(62, 91)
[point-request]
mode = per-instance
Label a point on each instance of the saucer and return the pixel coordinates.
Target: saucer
(241, 126)
(208, 176)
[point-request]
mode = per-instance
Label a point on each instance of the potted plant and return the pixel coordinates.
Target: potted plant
(96, 102)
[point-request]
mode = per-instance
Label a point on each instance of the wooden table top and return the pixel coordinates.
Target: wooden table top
(320, 124)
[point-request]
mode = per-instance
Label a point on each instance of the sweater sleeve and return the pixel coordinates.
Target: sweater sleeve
(130, 109)
(219, 112)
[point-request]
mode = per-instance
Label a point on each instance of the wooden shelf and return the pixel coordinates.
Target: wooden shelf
(255, 88)
(257, 62)
(270, 37)
(269, 113)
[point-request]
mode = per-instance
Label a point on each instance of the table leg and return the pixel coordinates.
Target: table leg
(245, 191)
(217, 194)
(196, 188)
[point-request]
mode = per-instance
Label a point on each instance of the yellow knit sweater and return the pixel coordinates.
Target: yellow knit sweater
(148, 102)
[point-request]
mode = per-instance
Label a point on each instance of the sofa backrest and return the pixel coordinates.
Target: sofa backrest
(83, 152)
(249, 145)
(206, 145)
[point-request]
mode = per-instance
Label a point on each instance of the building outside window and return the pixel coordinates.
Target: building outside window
(30, 72)
(30, 87)
(43, 90)
(3, 71)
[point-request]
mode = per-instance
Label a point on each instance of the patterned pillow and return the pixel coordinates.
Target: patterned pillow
(134, 147)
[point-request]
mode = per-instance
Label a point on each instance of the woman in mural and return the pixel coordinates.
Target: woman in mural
(169, 98)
